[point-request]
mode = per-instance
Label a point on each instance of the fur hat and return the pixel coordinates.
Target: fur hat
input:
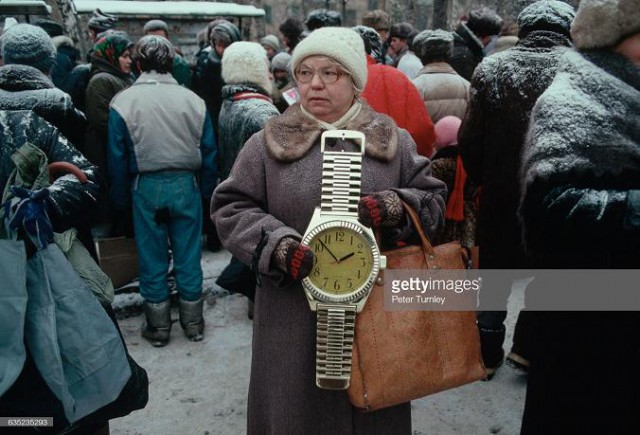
(484, 22)
(25, 44)
(551, 15)
(62, 41)
(100, 22)
(291, 28)
(401, 30)
(323, 18)
(433, 45)
(271, 41)
(378, 20)
(246, 62)
(281, 61)
(446, 130)
(53, 28)
(225, 31)
(372, 42)
(152, 25)
(604, 23)
(343, 45)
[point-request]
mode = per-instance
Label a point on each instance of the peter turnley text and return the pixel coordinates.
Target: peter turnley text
(417, 299)
(419, 285)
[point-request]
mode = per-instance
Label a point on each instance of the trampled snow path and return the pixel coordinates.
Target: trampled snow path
(201, 388)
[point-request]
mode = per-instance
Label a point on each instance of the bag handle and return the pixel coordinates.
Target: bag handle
(413, 216)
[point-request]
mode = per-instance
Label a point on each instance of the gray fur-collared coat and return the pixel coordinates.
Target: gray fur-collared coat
(581, 210)
(245, 109)
(270, 194)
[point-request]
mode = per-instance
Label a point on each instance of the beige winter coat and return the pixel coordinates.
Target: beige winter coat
(443, 91)
(271, 193)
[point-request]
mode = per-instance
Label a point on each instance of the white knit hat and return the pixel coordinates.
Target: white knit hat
(604, 23)
(246, 62)
(341, 44)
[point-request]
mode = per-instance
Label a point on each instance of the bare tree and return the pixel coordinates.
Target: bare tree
(441, 14)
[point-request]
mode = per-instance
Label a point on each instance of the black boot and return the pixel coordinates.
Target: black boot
(157, 327)
(491, 341)
(523, 341)
(191, 318)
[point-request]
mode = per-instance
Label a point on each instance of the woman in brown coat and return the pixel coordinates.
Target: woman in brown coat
(262, 209)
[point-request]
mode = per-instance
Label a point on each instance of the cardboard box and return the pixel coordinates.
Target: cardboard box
(118, 258)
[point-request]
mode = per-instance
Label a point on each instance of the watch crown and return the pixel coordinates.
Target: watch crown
(383, 262)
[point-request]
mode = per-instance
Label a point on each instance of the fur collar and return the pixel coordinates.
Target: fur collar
(290, 136)
(16, 77)
(229, 91)
(538, 39)
(584, 127)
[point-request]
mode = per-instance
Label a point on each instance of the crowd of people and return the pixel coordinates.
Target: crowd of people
(517, 138)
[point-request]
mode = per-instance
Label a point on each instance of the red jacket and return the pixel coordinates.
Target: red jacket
(389, 91)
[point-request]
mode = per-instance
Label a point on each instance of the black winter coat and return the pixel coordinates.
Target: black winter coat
(66, 61)
(69, 201)
(207, 83)
(23, 87)
(580, 210)
(504, 89)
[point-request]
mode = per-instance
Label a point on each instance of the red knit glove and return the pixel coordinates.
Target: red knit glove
(381, 209)
(294, 258)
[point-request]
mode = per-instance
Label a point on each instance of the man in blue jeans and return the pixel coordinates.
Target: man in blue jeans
(161, 157)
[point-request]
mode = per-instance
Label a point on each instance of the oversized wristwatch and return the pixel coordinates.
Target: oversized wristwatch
(346, 263)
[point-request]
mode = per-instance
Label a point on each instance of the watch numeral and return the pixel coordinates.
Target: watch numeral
(349, 283)
(363, 263)
(360, 248)
(359, 273)
(316, 271)
(326, 281)
(327, 239)
(336, 285)
(317, 247)
(339, 236)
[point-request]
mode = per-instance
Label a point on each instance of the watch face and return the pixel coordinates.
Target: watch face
(345, 258)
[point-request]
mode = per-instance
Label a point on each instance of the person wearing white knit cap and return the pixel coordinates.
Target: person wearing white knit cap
(580, 209)
(262, 209)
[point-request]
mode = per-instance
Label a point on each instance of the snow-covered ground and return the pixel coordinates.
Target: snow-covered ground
(201, 388)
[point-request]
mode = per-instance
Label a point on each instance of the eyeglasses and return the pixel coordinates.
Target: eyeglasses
(328, 75)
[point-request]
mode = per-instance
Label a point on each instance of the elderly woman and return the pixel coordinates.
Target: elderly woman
(581, 210)
(110, 73)
(264, 206)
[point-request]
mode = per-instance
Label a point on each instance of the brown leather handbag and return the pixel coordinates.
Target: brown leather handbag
(399, 356)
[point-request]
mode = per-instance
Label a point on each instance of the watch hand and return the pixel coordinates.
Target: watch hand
(328, 250)
(346, 256)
